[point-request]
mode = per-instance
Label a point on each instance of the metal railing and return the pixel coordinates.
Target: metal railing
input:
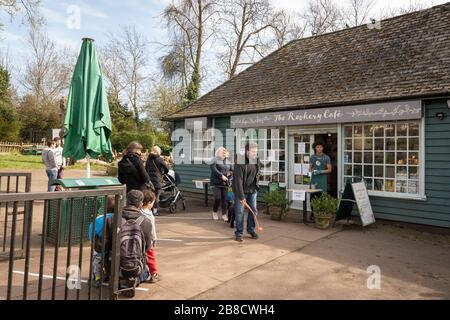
(12, 182)
(67, 216)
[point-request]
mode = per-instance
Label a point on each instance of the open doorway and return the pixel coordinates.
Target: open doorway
(300, 151)
(331, 149)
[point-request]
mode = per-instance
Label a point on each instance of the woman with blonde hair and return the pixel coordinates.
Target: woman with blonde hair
(156, 168)
(221, 169)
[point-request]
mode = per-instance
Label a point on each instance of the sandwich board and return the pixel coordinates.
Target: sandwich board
(356, 193)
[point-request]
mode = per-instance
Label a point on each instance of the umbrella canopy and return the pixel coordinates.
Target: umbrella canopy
(87, 121)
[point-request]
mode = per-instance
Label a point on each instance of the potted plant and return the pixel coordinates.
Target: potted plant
(277, 204)
(324, 208)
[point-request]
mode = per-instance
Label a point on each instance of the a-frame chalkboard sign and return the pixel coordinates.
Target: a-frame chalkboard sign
(355, 193)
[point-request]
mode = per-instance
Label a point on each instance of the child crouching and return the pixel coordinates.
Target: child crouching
(146, 210)
(99, 242)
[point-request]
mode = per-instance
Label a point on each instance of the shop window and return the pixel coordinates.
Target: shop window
(202, 145)
(271, 152)
(386, 155)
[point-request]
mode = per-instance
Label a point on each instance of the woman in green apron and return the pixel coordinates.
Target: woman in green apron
(320, 166)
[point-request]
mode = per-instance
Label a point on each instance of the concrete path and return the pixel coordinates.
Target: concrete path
(198, 259)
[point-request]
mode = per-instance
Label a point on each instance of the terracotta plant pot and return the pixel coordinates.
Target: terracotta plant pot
(323, 222)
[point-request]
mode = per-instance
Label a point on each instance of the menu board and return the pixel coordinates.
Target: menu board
(355, 193)
(363, 203)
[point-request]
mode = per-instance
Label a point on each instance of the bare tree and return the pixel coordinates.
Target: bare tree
(358, 12)
(287, 27)
(126, 67)
(188, 22)
(322, 16)
(175, 65)
(245, 32)
(47, 71)
(29, 8)
(414, 5)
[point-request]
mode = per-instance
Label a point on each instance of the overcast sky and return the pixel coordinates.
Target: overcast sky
(101, 16)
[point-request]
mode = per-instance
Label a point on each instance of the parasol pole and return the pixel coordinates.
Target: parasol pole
(88, 166)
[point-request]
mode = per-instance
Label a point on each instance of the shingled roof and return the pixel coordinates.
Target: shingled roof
(407, 56)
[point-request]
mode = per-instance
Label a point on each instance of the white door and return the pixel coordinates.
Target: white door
(300, 150)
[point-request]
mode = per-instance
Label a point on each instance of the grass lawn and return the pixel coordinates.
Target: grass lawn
(19, 161)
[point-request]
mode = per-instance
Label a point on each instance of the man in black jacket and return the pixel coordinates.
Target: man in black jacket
(132, 171)
(245, 188)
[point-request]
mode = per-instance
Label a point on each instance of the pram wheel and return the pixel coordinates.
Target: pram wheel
(173, 207)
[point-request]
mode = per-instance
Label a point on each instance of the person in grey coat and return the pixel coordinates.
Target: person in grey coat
(221, 170)
(51, 167)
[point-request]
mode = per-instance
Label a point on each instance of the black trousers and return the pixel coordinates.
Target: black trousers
(220, 199)
(157, 196)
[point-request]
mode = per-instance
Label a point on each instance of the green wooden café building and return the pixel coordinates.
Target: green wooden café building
(379, 97)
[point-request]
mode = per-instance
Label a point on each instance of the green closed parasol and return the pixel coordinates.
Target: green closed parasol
(87, 121)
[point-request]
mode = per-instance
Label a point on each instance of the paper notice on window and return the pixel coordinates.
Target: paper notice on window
(271, 155)
(199, 184)
(298, 195)
(305, 169)
(302, 148)
(298, 169)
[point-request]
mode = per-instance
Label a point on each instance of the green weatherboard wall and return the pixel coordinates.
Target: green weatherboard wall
(434, 211)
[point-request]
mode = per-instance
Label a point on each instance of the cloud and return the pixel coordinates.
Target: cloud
(53, 16)
(89, 10)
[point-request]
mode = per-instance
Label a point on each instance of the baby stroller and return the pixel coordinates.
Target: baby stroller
(170, 194)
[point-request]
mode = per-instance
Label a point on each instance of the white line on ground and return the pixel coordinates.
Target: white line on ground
(196, 237)
(186, 218)
(44, 276)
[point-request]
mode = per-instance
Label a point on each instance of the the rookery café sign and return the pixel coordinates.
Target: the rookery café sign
(403, 110)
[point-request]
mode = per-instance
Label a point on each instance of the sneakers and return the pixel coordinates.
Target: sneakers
(225, 217)
(154, 278)
(96, 283)
(215, 217)
(127, 287)
(155, 212)
(239, 239)
(254, 235)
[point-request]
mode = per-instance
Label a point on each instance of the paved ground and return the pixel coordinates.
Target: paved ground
(198, 259)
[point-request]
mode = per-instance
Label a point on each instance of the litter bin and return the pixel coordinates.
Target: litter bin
(78, 218)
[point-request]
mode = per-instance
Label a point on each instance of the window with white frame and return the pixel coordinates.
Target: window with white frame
(271, 151)
(387, 155)
(202, 145)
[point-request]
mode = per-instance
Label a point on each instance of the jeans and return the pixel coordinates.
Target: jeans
(97, 264)
(220, 198)
(52, 174)
(144, 275)
(239, 214)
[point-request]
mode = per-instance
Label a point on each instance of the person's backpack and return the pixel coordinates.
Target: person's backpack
(132, 248)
